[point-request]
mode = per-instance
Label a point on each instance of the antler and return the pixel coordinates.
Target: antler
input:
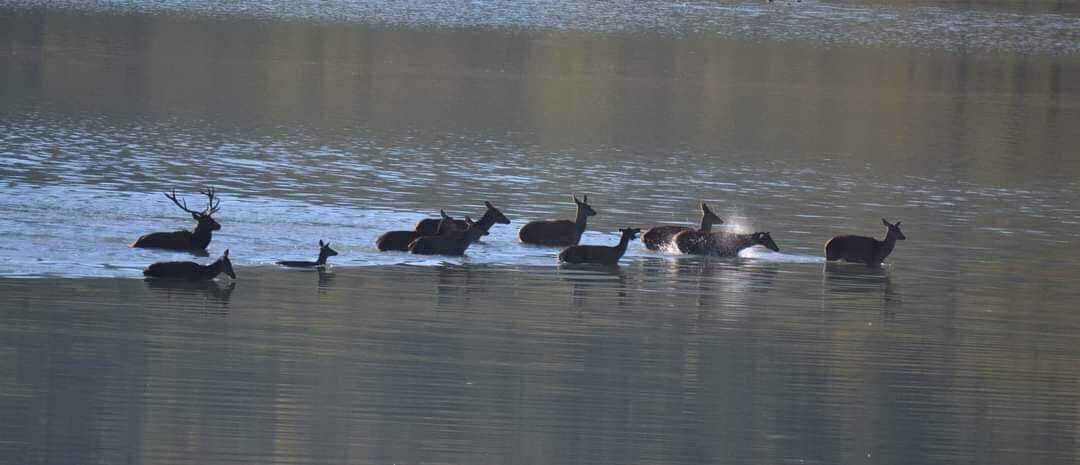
(212, 206)
(180, 203)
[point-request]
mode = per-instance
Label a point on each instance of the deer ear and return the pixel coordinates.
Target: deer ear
(885, 222)
(897, 224)
(320, 243)
(194, 216)
(226, 254)
(488, 204)
(575, 199)
(585, 198)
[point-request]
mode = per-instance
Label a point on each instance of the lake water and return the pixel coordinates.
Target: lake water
(340, 121)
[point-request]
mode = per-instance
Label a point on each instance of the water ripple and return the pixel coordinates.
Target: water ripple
(819, 22)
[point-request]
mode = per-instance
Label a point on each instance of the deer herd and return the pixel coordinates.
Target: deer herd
(449, 236)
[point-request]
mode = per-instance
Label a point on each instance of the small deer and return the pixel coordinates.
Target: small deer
(599, 254)
(430, 226)
(659, 237)
(184, 239)
(862, 249)
(190, 270)
(558, 232)
(324, 252)
(449, 240)
(722, 244)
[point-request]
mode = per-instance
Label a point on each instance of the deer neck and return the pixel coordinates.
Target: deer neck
(470, 235)
(581, 220)
(486, 221)
(743, 241)
(887, 244)
(322, 258)
(213, 269)
(706, 225)
(200, 238)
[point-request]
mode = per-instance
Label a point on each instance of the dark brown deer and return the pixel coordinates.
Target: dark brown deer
(184, 239)
(400, 240)
(658, 237)
(722, 244)
(448, 240)
(324, 252)
(558, 232)
(862, 249)
(599, 254)
(190, 270)
(430, 226)
(396, 240)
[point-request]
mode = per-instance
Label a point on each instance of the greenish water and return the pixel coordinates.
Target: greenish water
(807, 120)
(659, 362)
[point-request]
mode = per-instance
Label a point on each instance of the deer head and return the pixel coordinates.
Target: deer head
(765, 239)
(894, 230)
(324, 249)
(708, 217)
(227, 265)
(495, 213)
(629, 234)
(583, 205)
(202, 217)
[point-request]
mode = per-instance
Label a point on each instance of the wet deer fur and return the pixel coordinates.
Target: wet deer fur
(491, 216)
(862, 249)
(400, 240)
(190, 270)
(195, 240)
(599, 254)
(324, 252)
(449, 240)
(658, 237)
(558, 232)
(722, 244)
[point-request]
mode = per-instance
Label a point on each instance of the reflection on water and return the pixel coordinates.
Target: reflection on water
(661, 361)
(351, 119)
(181, 290)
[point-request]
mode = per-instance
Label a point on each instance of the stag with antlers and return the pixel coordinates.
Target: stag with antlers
(184, 239)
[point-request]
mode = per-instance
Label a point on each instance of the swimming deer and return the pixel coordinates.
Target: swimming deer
(558, 232)
(429, 226)
(449, 240)
(862, 249)
(722, 244)
(324, 252)
(400, 240)
(184, 239)
(190, 270)
(659, 237)
(599, 254)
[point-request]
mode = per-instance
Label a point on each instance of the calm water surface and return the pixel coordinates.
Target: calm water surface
(338, 122)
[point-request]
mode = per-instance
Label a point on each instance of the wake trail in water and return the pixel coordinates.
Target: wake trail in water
(780, 257)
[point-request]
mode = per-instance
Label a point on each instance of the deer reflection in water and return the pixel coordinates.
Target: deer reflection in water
(193, 292)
